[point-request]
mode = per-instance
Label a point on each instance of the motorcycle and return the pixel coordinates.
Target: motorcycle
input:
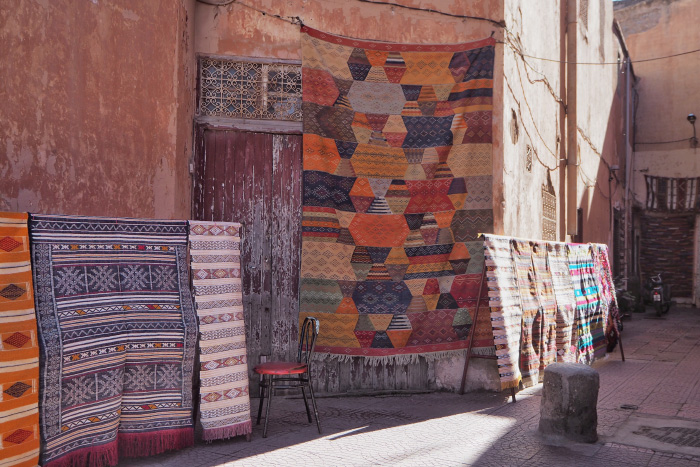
(627, 300)
(659, 294)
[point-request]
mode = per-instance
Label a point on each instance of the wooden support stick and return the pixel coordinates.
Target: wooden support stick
(472, 331)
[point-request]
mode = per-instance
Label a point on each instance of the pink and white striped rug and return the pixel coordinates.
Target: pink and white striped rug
(216, 277)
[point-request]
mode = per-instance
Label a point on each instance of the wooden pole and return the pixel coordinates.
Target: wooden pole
(472, 330)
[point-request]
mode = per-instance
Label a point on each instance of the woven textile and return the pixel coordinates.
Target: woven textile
(548, 305)
(19, 348)
(397, 185)
(589, 318)
(608, 298)
(216, 275)
(117, 332)
(506, 313)
(533, 322)
(565, 302)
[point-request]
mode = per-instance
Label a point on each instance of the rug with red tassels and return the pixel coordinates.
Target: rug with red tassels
(117, 333)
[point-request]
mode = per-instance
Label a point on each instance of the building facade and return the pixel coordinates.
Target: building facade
(112, 117)
(665, 161)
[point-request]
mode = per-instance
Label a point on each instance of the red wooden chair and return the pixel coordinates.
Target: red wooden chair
(290, 375)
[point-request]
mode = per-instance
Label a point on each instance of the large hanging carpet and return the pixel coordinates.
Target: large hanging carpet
(588, 321)
(117, 333)
(506, 312)
(19, 348)
(397, 185)
(563, 286)
(223, 371)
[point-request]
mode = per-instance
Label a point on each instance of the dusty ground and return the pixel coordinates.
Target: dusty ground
(648, 414)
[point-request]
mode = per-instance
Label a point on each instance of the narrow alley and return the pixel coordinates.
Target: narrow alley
(658, 386)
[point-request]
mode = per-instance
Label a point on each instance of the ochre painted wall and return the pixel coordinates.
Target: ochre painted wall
(535, 117)
(97, 103)
(669, 89)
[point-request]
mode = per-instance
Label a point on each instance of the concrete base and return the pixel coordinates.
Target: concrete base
(482, 374)
(569, 402)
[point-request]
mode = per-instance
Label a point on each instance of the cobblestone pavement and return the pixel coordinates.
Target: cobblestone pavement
(661, 378)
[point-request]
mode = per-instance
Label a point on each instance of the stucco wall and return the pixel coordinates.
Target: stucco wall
(535, 117)
(669, 89)
(96, 117)
(237, 30)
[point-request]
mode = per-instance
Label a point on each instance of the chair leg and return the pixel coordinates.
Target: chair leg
(313, 401)
(262, 398)
(306, 401)
(270, 391)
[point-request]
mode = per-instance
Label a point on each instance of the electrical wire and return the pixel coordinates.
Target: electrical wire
(501, 24)
(297, 20)
(612, 63)
(534, 149)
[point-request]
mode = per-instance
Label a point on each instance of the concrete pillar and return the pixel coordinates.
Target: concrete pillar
(569, 402)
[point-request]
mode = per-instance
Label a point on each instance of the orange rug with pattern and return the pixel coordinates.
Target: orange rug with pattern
(19, 351)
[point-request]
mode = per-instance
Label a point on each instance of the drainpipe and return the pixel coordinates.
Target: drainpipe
(628, 162)
(571, 122)
(561, 141)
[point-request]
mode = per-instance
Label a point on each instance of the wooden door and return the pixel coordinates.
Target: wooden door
(255, 178)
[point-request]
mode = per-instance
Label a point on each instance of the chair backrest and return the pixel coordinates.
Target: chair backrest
(307, 339)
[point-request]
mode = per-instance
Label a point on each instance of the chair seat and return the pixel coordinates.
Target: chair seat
(281, 368)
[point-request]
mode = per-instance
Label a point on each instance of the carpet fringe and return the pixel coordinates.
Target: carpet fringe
(227, 432)
(510, 384)
(93, 456)
(156, 442)
(406, 359)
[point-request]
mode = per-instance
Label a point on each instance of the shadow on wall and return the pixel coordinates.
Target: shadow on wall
(598, 198)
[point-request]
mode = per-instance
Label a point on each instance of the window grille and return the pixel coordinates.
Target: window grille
(250, 90)
(528, 158)
(672, 194)
(549, 211)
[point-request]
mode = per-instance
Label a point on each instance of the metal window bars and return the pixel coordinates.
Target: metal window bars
(249, 90)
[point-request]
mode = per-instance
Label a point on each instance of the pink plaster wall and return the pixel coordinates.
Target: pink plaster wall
(97, 98)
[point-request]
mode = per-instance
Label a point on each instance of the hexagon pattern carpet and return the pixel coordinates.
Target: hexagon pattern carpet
(397, 185)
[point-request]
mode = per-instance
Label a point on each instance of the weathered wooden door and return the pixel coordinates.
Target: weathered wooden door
(255, 178)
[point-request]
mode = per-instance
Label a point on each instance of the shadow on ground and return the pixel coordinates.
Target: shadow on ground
(660, 379)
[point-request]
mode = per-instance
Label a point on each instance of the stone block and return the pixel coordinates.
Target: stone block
(569, 402)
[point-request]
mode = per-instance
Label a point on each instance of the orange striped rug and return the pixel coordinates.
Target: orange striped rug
(19, 351)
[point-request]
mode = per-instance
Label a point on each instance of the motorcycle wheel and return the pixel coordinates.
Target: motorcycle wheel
(658, 309)
(666, 307)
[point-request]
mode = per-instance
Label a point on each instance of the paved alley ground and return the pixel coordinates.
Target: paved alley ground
(648, 415)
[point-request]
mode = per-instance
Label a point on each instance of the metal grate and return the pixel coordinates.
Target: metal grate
(250, 90)
(549, 211)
